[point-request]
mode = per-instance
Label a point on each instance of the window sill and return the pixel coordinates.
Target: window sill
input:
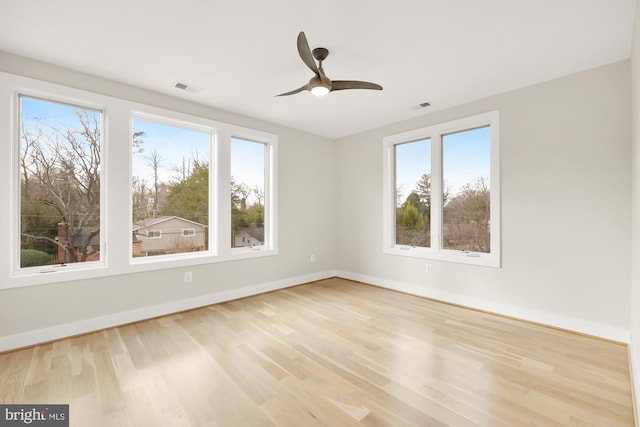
(73, 272)
(460, 257)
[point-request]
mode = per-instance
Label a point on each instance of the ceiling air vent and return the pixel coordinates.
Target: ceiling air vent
(421, 106)
(186, 86)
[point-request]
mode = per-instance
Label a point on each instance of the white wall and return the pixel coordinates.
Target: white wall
(565, 175)
(566, 181)
(306, 223)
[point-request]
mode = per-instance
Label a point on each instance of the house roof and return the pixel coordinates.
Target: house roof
(149, 222)
(445, 52)
(79, 238)
(257, 233)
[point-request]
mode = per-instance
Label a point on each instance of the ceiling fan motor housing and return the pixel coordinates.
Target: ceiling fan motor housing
(320, 53)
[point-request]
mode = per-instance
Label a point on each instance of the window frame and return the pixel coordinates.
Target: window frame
(435, 133)
(116, 246)
(270, 194)
(151, 234)
(191, 234)
(266, 175)
(68, 98)
(183, 121)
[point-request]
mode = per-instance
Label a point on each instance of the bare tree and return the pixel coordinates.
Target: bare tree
(141, 194)
(155, 161)
(399, 195)
(467, 218)
(239, 194)
(63, 162)
(138, 142)
(259, 193)
(183, 169)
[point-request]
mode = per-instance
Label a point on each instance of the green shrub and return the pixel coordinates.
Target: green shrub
(32, 258)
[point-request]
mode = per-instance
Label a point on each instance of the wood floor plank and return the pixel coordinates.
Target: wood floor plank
(328, 353)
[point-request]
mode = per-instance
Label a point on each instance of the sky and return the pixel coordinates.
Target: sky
(247, 163)
(466, 157)
(413, 159)
(34, 111)
(173, 144)
(466, 154)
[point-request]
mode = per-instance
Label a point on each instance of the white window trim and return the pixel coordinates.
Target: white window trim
(116, 246)
(64, 96)
(270, 225)
(435, 133)
(198, 124)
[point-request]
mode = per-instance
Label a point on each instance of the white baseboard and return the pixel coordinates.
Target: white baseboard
(38, 336)
(635, 375)
(550, 319)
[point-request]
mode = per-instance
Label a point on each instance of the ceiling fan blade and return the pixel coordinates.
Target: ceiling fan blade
(293, 92)
(305, 53)
(353, 84)
(320, 84)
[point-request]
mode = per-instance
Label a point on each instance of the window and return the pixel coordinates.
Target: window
(60, 154)
(154, 234)
(249, 193)
(413, 193)
(169, 185)
(466, 165)
(442, 195)
(75, 215)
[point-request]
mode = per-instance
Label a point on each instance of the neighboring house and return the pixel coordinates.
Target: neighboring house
(76, 241)
(167, 235)
(248, 237)
(153, 236)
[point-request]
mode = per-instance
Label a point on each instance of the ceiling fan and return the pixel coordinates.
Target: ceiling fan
(320, 84)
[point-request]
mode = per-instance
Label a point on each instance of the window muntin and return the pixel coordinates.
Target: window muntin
(413, 193)
(170, 185)
(466, 165)
(464, 172)
(60, 152)
(248, 184)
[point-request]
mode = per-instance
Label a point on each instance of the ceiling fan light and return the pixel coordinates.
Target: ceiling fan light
(319, 90)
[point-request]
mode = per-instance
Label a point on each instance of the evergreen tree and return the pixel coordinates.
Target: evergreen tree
(189, 198)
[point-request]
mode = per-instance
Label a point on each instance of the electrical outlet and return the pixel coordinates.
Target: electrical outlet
(427, 268)
(312, 258)
(188, 276)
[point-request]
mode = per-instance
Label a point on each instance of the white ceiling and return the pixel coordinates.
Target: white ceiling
(242, 53)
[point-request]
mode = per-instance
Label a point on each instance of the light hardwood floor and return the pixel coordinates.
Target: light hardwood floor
(329, 353)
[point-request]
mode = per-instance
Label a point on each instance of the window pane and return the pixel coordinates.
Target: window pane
(247, 193)
(59, 183)
(413, 193)
(170, 189)
(466, 168)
